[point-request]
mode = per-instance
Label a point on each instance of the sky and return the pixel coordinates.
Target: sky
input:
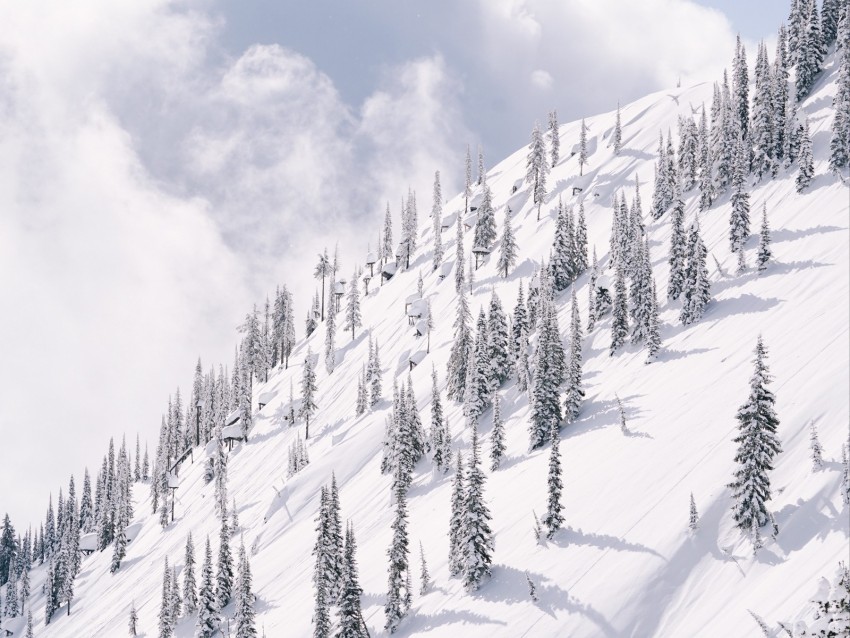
(165, 164)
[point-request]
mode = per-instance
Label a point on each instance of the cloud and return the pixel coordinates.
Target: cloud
(541, 79)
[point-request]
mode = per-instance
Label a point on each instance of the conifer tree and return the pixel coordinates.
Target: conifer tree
(330, 328)
(562, 251)
(245, 622)
(497, 440)
(536, 168)
(805, 162)
(688, 140)
(437, 221)
(166, 621)
(575, 393)
(176, 601)
(617, 140)
(697, 289)
(764, 252)
(704, 164)
(845, 474)
(660, 198)
(653, 339)
(321, 615)
(25, 587)
(548, 370)
(456, 521)
(508, 249)
(519, 323)
(323, 269)
(376, 376)
(554, 137)
(224, 572)
(678, 249)
(693, 520)
(619, 312)
(482, 174)
(779, 94)
(498, 344)
(386, 246)
(50, 593)
(839, 146)
(477, 537)
(308, 391)
(582, 147)
(758, 445)
(467, 191)
(485, 226)
(351, 623)
(621, 411)
(190, 594)
(398, 595)
(809, 59)
(29, 633)
(761, 126)
(554, 519)
(580, 253)
(740, 91)
(458, 364)
(459, 258)
(424, 576)
(353, 318)
(817, 450)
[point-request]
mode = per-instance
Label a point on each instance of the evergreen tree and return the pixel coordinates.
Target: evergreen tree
(620, 312)
(176, 601)
(758, 445)
(764, 252)
(245, 622)
(653, 339)
(482, 174)
(580, 253)
(25, 587)
(561, 263)
(330, 328)
(437, 221)
(476, 535)
(817, 450)
(761, 127)
(536, 168)
(677, 257)
(485, 226)
(575, 393)
(224, 572)
(323, 270)
(508, 248)
(376, 376)
(779, 93)
(133, 621)
(697, 289)
(353, 318)
(705, 175)
(554, 137)
(805, 162)
(497, 440)
(190, 595)
(519, 323)
(845, 474)
(207, 605)
(688, 139)
(498, 344)
(424, 576)
(308, 391)
(467, 191)
(456, 521)
(166, 621)
(811, 50)
(49, 593)
(458, 364)
(321, 615)
(398, 594)
(582, 147)
(617, 140)
(459, 259)
(740, 91)
(553, 520)
(545, 404)
(660, 196)
(839, 146)
(624, 428)
(351, 623)
(739, 221)
(10, 608)
(386, 246)
(693, 520)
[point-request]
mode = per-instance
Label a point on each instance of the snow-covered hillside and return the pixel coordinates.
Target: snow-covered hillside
(625, 564)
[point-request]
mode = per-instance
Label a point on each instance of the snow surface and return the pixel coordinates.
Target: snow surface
(626, 565)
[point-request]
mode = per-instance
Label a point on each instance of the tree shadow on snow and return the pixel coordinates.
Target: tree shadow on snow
(450, 616)
(509, 585)
(600, 413)
(773, 268)
(673, 355)
(569, 536)
(784, 234)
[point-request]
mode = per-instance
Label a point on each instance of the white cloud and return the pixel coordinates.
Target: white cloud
(541, 79)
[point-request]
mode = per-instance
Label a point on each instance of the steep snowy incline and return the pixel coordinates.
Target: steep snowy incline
(625, 565)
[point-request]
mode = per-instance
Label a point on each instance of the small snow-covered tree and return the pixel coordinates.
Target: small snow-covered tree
(575, 392)
(817, 450)
(805, 162)
(764, 252)
(476, 534)
(460, 278)
(308, 391)
(617, 139)
(323, 270)
(621, 412)
(245, 616)
(353, 318)
(166, 621)
(554, 519)
(437, 221)
(424, 576)
(456, 520)
(467, 190)
(498, 344)
(458, 364)
(508, 249)
(697, 288)
(537, 168)
(678, 250)
(330, 328)
(224, 571)
(758, 445)
(554, 137)
(497, 440)
(176, 601)
(693, 520)
(485, 225)
(582, 147)
(620, 311)
(653, 338)
(398, 595)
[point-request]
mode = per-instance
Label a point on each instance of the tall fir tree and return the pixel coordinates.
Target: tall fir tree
(224, 571)
(398, 595)
(498, 344)
(554, 519)
(353, 317)
(459, 258)
(497, 438)
(554, 137)
(809, 59)
(839, 145)
(458, 364)
(619, 311)
(330, 328)
(816, 448)
(351, 623)
(805, 162)
(166, 621)
(739, 220)
(617, 138)
(508, 248)
(575, 392)
(456, 520)
(677, 257)
(245, 615)
(308, 391)
(758, 445)
(190, 589)
(561, 262)
(485, 226)
(437, 221)
(476, 534)
(582, 147)
(764, 253)
(537, 168)
(697, 289)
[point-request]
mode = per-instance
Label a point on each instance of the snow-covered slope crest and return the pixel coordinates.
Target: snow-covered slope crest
(625, 565)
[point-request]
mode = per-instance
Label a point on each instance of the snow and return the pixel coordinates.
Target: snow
(417, 357)
(626, 564)
(88, 542)
(371, 258)
(233, 417)
(232, 432)
(417, 308)
(266, 397)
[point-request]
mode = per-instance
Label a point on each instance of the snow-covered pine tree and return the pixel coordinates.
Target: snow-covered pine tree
(660, 198)
(845, 474)
(245, 617)
(375, 373)
(548, 375)
(224, 572)
(457, 547)
(536, 168)
(758, 445)
(477, 537)
(817, 450)
(554, 137)
(323, 576)
(398, 593)
(386, 246)
(498, 344)
(705, 176)
(740, 91)
(620, 311)
(519, 323)
(653, 339)
(131, 625)
(497, 439)
(457, 365)
(485, 225)
(561, 261)
(523, 366)
(580, 253)
(166, 621)
(688, 137)
(621, 411)
(482, 173)
(805, 162)
(575, 393)
(330, 328)
(554, 519)
(678, 250)
(311, 322)
(10, 608)
(617, 139)
(467, 190)
(693, 519)
(582, 147)
(764, 252)
(477, 392)
(779, 94)
(190, 594)
(49, 593)
(323, 270)
(671, 174)
(176, 601)
(761, 126)
(809, 59)
(460, 278)
(308, 391)
(351, 623)
(591, 293)
(437, 221)
(353, 318)
(839, 145)
(697, 289)
(321, 615)
(508, 248)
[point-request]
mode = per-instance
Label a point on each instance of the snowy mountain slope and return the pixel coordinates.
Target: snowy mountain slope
(625, 565)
